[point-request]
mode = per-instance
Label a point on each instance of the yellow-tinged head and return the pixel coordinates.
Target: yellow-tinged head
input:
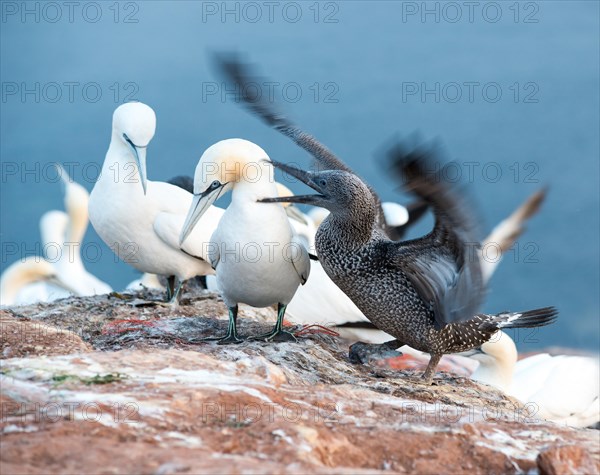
(232, 161)
(24, 272)
(223, 166)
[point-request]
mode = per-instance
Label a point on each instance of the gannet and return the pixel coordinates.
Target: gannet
(31, 280)
(257, 259)
(70, 266)
(564, 389)
(425, 292)
(139, 219)
(322, 302)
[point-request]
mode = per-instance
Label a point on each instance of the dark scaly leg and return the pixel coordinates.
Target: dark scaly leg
(232, 336)
(363, 353)
(174, 300)
(430, 371)
(170, 288)
(172, 295)
(278, 333)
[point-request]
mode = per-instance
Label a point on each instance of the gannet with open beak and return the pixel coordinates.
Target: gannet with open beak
(564, 388)
(322, 302)
(139, 219)
(425, 292)
(257, 259)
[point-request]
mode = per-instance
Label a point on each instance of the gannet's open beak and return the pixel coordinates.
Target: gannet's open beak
(294, 213)
(304, 177)
(139, 152)
(200, 204)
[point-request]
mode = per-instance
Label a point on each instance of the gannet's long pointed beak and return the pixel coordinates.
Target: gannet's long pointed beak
(139, 153)
(140, 156)
(200, 204)
(294, 213)
(305, 177)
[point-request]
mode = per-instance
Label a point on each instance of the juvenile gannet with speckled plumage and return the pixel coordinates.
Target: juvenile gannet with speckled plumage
(257, 259)
(321, 302)
(562, 388)
(139, 219)
(425, 292)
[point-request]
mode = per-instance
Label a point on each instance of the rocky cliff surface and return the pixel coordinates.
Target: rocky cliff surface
(111, 385)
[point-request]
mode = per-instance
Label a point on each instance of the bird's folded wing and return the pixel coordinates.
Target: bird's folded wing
(300, 259)
(214, 255)
(167, 227)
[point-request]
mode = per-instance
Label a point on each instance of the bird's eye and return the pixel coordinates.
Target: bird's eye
(215, 184)
(323, 182)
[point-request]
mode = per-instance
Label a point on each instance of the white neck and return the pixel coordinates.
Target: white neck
(495, 372)
(119, 164)
(78, 222)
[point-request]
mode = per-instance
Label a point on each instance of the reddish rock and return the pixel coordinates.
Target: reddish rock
(568, 459)
(139, 394)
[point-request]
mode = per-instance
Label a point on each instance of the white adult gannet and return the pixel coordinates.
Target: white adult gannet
(139, 219)
(70, 266)
(564, 389)
(30, 280)
(257, 259)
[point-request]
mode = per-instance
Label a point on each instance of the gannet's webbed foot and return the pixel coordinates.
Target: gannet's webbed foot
(232, 336)
(229, 340)
(278, 334)
(364, 353)
(430, 371)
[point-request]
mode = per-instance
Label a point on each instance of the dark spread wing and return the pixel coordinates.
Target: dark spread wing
(239, 73)
(443, 266)
(416, 210)
(253, 98)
